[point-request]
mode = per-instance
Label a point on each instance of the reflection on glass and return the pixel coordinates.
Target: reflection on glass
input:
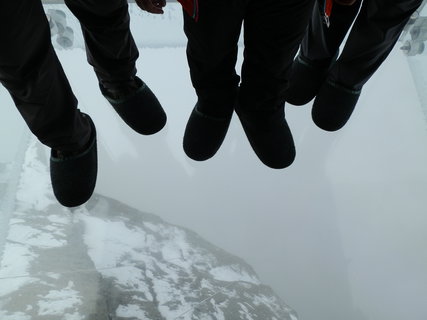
(338, 235)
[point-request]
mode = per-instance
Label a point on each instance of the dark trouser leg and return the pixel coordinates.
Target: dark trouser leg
(273, 32)
(371, 39)
(30, 70)
(112, 52)
(110, 47)
(320, 42)
(212, 54)
(373, 36)
(319, 49)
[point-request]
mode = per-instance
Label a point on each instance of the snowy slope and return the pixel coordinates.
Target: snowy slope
(106, 260)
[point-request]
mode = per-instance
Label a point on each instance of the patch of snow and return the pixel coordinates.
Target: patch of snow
(218, 314)
(205, 284)
(153, 227)
(34, 190)
(14, 268)
(232, 273)
(177, 251)
(245, 312)
(129, 276)
(16, 220)
(58, 219)
(58, 303)
(35, 237)
(166, 292)
(73, 316)
(53, 275)
(14, 316)
(293, 317)
(105, 241)
(130, 311)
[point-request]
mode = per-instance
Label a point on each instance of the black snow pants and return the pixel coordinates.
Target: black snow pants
(32, 73)
(273, 30)
(373, 35)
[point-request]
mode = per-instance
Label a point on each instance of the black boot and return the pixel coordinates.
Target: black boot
(73, 174)
(333, 106)
(137, 105)
(269, 135)
(205, 133)
(306, 78)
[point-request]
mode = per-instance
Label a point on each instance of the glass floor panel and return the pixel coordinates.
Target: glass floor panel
(338, 235)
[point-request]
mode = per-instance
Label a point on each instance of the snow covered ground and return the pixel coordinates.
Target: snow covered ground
(106, 260)
(338, 235)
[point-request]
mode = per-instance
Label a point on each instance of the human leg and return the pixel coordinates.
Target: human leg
(273, 31)
(319, 49)
(374, 34)
(112, 52)
(212, 54)
(110, 46)
(30, 70)
(321, 42)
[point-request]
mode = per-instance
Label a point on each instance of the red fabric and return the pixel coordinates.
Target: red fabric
(328, 7)
(327, 10)
(191, 7)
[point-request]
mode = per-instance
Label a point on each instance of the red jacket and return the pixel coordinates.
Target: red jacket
(191, 7)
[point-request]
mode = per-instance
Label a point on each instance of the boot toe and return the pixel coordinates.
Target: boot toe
(204, 134)
(141, 110)
(333, 106)
(269, 136)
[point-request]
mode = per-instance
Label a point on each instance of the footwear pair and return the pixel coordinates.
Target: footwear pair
(73, 174)
(334, 102)
(268, 134)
